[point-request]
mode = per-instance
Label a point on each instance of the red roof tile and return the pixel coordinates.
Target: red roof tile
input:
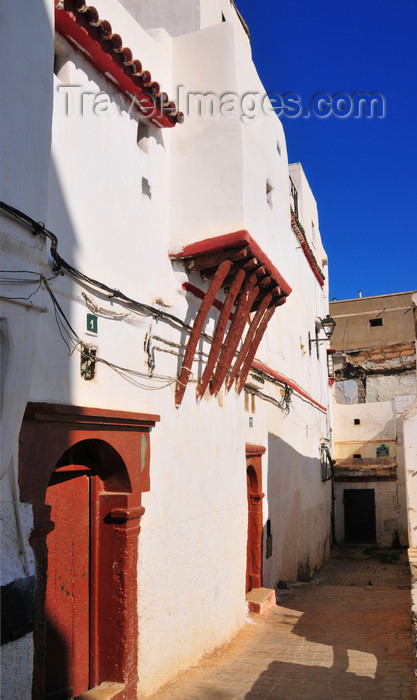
(93, 37)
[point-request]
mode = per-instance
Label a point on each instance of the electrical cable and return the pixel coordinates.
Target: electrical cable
(74, 342)
(38, 228)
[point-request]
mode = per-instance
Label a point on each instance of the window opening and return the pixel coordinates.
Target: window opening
(269, 189)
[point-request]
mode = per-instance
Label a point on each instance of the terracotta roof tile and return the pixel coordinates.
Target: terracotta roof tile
(81, 25)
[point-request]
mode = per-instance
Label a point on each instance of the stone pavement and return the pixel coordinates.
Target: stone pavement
(347, 634)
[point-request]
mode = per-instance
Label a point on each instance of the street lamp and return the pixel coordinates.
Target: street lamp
(328, 325)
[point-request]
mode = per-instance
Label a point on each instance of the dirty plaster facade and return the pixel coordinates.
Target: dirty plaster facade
(163, 420)
(374, 366)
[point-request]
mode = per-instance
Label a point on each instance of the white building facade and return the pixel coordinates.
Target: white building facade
(164, 413)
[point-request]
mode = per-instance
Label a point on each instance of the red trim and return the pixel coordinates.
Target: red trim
(253, 450)
(307, 252)
(188, 287)
(238, 239)
(93, 38)
(282, 378)
(118, 443)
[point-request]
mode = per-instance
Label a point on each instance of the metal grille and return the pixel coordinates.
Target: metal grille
(146, 188)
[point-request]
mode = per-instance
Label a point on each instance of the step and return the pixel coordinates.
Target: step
(261, 600)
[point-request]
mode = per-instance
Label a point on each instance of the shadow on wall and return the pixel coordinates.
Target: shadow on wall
(299, 507)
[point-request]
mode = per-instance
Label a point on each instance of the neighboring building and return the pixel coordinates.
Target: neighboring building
(375, 370)
(410, 454)
(164, 431)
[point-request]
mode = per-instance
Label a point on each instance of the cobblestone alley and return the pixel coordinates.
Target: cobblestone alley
(347, 634)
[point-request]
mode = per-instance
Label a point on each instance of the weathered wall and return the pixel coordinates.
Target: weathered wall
(385, 388)
(380, 424)
(353, 329)
(390, 511)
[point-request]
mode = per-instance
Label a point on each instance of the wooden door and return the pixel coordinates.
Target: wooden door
(67, 606)
(254, 544)
(360, 522)
(250, 532)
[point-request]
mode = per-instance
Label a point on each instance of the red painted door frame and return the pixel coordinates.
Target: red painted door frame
(255, 520)
(120, 447)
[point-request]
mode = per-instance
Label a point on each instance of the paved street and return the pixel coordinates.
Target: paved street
(346, 634)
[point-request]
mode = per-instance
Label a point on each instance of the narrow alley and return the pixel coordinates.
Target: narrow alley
(346, 634)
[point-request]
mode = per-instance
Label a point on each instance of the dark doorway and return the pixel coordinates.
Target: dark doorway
(360, 524)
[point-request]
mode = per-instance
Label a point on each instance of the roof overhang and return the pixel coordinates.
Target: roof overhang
(93, 37)
(367, 469)
(236, 263)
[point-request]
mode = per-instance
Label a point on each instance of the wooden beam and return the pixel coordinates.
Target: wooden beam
(219, 333)
(248, 340)
(247, 297)
(207, 262)
(254, 347)
(195, 334)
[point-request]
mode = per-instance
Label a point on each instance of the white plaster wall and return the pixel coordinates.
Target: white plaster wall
(307, 212)
(193, 539)
(296, 500)
(386, 388)
(184, 16)
(192, 554)
(377, 422)
(16, 672)
(389, 511)
(207, 159)
(410, 453)
(25, 115)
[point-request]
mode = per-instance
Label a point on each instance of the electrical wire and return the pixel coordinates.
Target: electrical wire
(23, 298)
(73, 342)
(59, 264)
(38, 228)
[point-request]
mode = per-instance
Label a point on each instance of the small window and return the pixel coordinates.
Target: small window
(146, 188)
(357, 456)
(357, 421)
(223, 17)
(269, 190)
(373, 322)
(279, 147)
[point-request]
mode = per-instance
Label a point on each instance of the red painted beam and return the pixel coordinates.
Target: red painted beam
(238, 239)
(255, 344)
(188, 287)
(248, 340)
(220, 331)
(282, 378)
(247, 297)
(195, 334)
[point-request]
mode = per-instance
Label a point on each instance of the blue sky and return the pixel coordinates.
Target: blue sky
(362, 171)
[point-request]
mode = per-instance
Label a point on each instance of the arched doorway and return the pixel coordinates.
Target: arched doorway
(80, 588)
(84, 471)
(255, 520)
